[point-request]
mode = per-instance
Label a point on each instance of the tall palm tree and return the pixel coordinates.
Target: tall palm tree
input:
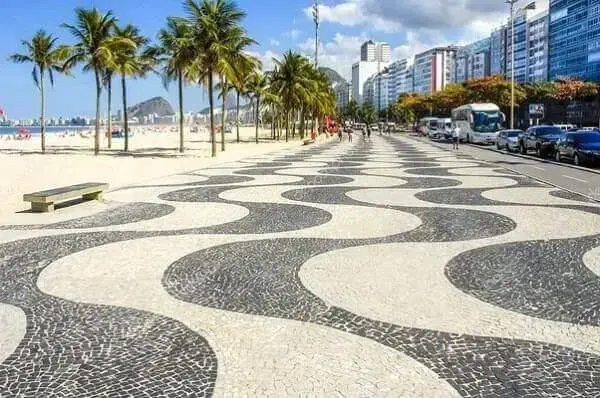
(176, 53)
(223, 89)
(215, 23)
(96, 49)
(292, 82)
(131, 62)
(47, 58)
(257, 86)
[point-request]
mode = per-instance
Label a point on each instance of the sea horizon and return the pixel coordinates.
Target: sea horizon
(35, 130)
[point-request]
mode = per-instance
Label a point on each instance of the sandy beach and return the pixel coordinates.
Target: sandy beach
(70, 160)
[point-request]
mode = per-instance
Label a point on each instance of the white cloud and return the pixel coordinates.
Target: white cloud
(274, 42)
(474, 17)
(292, 34)
(265, 58)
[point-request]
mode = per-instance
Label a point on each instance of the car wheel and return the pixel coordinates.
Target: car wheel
(523, 150)
(557, 156)
(468, 139)
(538, 151)
(498, 147)
(576, 160)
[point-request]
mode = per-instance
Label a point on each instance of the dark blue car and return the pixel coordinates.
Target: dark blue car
(580, 147)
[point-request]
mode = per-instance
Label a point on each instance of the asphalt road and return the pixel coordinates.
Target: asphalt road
(559, 174)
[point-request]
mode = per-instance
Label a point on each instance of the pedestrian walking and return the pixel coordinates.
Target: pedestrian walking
(369, 133)
(455, 137)
(350, 135)
(364, 131)
(341, 134)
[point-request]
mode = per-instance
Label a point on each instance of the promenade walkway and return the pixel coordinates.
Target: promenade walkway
(384, 268)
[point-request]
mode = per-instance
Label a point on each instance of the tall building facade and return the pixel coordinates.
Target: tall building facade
(498, 51)
(361, 71)
(399, 80)
(343, 94)
(473, 61)
(375, 52)
(520, 50)
(434, 69)
(367, 51)
(574, 39)
(537, 47)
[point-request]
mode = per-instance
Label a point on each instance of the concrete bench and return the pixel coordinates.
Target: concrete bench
(43, 202)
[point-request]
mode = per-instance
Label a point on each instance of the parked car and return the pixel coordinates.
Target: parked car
(590, 129)
(541, 139)
(565, 127)
(509, 140)
(582, 148)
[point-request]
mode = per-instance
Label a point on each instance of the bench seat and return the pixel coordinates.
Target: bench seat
(43, 201)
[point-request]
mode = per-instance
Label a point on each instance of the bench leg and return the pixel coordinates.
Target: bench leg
(42, 207)
(93, 196)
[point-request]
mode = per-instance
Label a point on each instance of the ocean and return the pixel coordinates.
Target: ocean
(49, 130)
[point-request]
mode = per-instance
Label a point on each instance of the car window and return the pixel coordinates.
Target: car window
(543, 131)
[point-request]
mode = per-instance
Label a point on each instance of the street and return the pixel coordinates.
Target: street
(584, 182)
(386, 267)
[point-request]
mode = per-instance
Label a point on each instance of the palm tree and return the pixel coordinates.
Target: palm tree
(215, 24)
(96, 48)
(257, 86)
(46, 58)
(176, 53)
(292, 83)
(224, 89)
(130, 62)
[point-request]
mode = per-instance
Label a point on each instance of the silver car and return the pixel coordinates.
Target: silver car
(509, 140)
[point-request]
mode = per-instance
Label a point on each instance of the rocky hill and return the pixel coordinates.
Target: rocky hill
(333, 76)
(156, 105)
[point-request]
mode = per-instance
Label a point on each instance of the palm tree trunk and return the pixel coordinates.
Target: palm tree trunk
(257, 115)
(224, 112)
(213, 142)
(294, 123)
(237, 116)
(181, 149)
(97, 132)
(302, 126)
(287, 126)
(42, 119)
(125, 121)
(109, 121)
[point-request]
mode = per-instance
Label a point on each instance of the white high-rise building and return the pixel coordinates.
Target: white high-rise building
(367, 51)
(400, 79)
(375, 52)
(383, 52)
(361, 71)
(343, 94)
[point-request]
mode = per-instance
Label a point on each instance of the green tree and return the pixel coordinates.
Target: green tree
(47, 58)
(96, 49)
(292, 83)
(257, 86)
(175, 52)
(368, 115)
(131, 62)
(215, 25)
(352, 110)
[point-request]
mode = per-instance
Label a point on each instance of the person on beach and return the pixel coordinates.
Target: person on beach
(455, 137)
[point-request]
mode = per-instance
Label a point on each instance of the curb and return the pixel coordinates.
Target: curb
(590, 198)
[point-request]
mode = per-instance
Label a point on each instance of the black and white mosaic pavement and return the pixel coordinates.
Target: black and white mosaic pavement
(244, 280)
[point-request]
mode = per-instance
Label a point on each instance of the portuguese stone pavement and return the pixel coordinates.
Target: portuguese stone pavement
(388, 268)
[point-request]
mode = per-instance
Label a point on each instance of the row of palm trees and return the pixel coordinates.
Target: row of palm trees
(206, 46)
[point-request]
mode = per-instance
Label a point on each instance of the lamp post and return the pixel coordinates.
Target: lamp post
(315, 14)
(530, 6)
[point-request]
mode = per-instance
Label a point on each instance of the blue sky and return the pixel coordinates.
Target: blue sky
(276, 24)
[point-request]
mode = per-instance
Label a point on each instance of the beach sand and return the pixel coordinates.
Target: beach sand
(70, 160)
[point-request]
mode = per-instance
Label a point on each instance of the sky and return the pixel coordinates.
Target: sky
(409, 26)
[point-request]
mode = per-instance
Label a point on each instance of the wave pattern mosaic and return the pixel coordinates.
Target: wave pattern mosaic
(383, 268)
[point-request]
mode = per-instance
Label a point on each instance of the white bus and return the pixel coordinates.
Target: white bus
(478, 123)
(428, 125)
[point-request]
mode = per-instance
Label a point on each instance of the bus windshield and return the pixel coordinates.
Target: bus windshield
(487, 122)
